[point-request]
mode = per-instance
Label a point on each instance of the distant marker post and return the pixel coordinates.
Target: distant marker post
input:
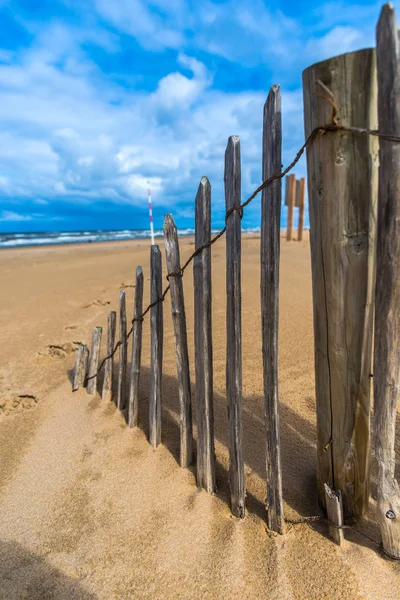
(150, 215)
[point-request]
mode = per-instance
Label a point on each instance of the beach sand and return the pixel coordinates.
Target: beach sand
(89, 510)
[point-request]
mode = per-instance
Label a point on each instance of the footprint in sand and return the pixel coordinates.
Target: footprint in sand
(17, 403)
(71, 327)
(59, 350)
(96, 303)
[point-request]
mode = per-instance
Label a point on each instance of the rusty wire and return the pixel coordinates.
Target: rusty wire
(318, 131)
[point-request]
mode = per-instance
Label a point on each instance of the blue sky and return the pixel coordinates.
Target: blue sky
(99, 96)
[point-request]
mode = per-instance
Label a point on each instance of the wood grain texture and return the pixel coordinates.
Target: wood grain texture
(387, 310)
(342, 191)
(291, 196)
(334, 509)
(182, 355)
(269, 259)
(232, 180)
(203, 341)
(107, 392)
(136, 351)
(156, 351)
(123, 352)
(302, 192)
(91, 387)
(81, 365)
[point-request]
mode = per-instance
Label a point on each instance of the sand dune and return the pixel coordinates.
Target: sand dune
(89, 510)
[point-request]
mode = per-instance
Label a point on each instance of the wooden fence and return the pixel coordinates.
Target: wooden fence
(350, 212)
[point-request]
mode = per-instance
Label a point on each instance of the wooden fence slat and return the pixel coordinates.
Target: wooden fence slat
(387, 309)
(81, 365)
(203, 341)
(109, 364)
(297, 197)
(287, 187)
(156, 341)
(182, 355)
(232, 180)
(270, 250)
(136, 351)
(334, 509)
(123, 352)
(291, 195)
(342, 191)
(302, 191)
(91, 387)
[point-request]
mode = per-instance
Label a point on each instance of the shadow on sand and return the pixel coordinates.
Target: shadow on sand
(298, 454)
(25, 575)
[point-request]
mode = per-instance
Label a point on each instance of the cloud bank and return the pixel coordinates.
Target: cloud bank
(100, 97)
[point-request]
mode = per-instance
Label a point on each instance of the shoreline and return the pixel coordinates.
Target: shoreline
(85, 243)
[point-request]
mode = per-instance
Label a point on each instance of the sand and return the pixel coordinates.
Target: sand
(89, 510)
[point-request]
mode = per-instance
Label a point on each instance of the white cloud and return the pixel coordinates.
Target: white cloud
(137, 18)
(338, 40)
(67, 133)
(138, 182)
(8, 215)
(177, 91)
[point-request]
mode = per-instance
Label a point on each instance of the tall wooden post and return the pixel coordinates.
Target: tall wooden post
(203, 341)
(123, 353)
(234, 326)
(270, 248)
(291, 196)
(81, 365)
(387, 310)
(182, 355)
(156, 342)
(287, 187)
(342, 191)
(136, 351)
(302, 191)
(91, 387)
(107, 392)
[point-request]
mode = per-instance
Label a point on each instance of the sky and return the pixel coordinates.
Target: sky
(97, 97)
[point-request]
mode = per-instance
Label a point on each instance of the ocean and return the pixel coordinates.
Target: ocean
(48, 238)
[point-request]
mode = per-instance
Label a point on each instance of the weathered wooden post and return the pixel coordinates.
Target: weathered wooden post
(334, 510)
(291, 195)
(156, 341)
(287, 187)
(297, 198)
(91, 387)
(302, 190)
(81, 365)
(342, 191)
(108, 369)
(123, 352)
(182, 355)
(136, 351)
(203, 341)
(270, 247)
(232, 180)
(387, 309)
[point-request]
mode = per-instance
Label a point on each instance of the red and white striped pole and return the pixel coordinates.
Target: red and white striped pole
(150, 214)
